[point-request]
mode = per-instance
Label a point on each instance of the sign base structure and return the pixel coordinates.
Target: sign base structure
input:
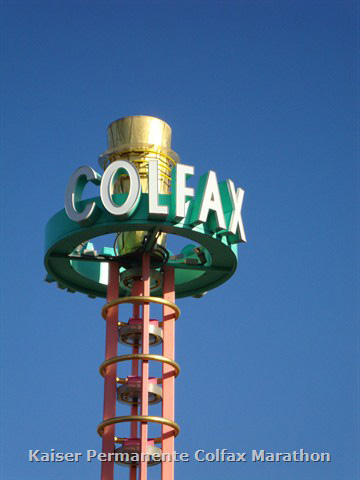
(142, 206)
(139, 390)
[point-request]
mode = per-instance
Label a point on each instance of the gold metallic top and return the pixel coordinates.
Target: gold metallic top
(137, 137)
(139, 129)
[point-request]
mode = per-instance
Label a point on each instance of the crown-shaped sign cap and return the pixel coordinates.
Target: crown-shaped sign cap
(139, 129)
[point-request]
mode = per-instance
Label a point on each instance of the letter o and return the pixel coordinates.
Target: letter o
(315, 457)
(210, 457)
(130, 204)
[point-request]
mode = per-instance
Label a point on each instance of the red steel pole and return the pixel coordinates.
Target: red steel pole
(145, 365)
(168, 384)
(107, 468)
(135, 291)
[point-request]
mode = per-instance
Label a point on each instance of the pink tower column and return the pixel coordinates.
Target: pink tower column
(136, 290)
(145, 365)
(107, 468)
(168, 384)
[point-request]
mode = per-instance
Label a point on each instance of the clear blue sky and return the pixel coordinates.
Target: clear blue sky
(261, 92)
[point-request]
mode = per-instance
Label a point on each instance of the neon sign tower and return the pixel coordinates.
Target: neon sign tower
(144, 198)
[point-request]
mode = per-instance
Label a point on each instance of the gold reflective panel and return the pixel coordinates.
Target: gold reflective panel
(138, 139)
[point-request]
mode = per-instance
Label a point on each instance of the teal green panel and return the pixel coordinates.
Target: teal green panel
(62, 236)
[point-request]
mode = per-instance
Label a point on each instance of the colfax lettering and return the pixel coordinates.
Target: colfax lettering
(220, 456)
(220, 203)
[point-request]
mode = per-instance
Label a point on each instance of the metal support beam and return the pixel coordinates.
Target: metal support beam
(107, 468)
(137, 289)
(145, 365)
(168, 405)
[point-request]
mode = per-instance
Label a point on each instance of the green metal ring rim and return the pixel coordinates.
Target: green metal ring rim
(63, 236)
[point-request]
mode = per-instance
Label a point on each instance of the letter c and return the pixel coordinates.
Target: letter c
(74, 189)
(197, 455)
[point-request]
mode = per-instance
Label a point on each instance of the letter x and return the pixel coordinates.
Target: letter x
(236, 226)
